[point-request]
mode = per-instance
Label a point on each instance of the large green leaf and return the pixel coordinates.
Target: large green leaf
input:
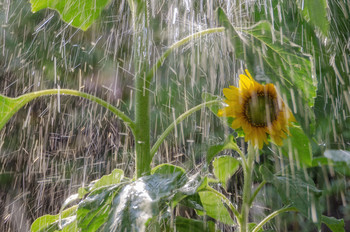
(224, 168)
(49, 223)
(336, 225)
(315, 11)
(214, 207)
(298, 146)
(81, 13)
(282, 61)
(296, 191)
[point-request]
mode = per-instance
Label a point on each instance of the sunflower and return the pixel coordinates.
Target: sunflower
(258, 110)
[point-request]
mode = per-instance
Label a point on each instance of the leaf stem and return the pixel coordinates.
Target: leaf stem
(177, 121)
(257, 190)
(179, 43)
(272, 215)
(31, 96)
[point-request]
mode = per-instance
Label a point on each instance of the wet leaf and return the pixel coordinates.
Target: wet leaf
(48, 223)
(298, 145)
(230, 143)
(80, 14)
(94, 210)
(283, 62)
(215, 208)
(191, 225)
(315, 12)
(142, 200)
(297, 192)
(336, 225)
(224, 168)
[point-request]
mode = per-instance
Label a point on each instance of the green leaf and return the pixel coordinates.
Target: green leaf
(93, 211)
(298, 145)
(191, 225)
(141, 201)
(251, 227)
(336, 225)
(48, 223)
(296, 191)
(80, 14)
(224, 168)
(215, 208)
(167, 169)
(230, 143)
(9, 106)
(282, 61)
(315, 12)
(338, 155)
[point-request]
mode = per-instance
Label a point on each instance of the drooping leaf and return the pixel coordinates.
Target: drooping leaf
(80, 14)
(214, 207)
(224, 168)
(47, 223)
(282, 61)
(230, 143)
(296, 191)
(336, 225)
(298, 146)
(315, 12)
(191, 225)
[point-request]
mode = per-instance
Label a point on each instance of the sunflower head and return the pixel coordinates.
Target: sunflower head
(258, 110)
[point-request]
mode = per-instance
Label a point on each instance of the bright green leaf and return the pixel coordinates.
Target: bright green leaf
(80, 14)
(315, 11)
(336, 225)
(298, 145)
(214, 207)
(48, 223)
(224, 168)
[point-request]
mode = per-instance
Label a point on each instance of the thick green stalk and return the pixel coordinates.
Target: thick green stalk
(142, 100)
(247, 171)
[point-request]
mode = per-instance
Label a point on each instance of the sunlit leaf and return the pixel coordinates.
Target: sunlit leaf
(336, 225)
(296, 191)
(298, 146)
(316, 13)
(48, 223)
(224, 168)
(79, 14)
(215, 208)
(282, 61)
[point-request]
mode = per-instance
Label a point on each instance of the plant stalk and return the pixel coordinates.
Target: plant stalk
(247, 171)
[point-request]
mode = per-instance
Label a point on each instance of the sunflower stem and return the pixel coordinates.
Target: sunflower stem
(247, 172)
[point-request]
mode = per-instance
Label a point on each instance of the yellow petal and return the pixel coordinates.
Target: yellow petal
(244, 82)
(231, 94)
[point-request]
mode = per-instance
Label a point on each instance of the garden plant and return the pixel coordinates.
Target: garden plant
(261, 116)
